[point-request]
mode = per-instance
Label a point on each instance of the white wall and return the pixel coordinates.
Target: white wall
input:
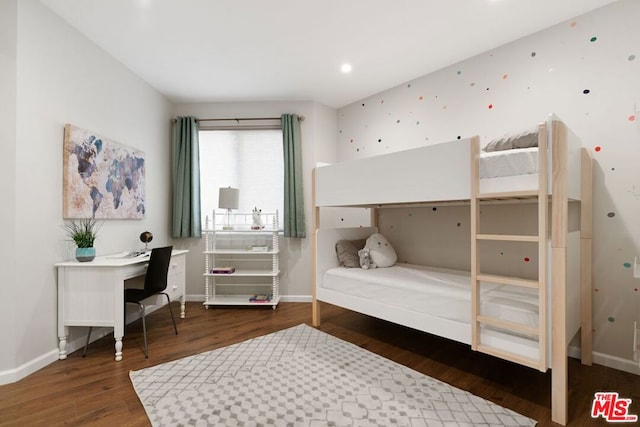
(64, 78)
(8, 75)
(318, 138)
(513, 88)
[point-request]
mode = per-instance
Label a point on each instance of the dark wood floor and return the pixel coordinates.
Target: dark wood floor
(97, 391)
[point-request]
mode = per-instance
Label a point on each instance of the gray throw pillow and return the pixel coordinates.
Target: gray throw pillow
(347, 251)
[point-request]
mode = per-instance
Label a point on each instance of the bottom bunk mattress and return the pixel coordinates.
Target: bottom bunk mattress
(435, 300)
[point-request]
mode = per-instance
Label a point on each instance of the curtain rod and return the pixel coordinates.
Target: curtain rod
(301, 118)
(238, 120)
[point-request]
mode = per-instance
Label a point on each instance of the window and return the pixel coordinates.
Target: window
(250, 160)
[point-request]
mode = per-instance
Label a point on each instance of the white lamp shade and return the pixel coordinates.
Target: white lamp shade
(228, 198)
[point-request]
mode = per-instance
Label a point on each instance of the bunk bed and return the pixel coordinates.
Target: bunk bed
(529, 322)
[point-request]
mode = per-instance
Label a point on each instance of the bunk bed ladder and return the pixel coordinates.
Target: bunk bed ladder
(479, 320)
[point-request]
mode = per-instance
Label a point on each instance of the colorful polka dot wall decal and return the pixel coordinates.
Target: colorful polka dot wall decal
(586, 91)
(598, 149)
(573, 24)
(593, 39)
(632, 118)
(420, 98)
(505, 76)
(527, 259)
(490, 106)
(533, 54)
(472, 84)
(631, 57)
(611, 319)
(627, 265)
(459, 72)
(611, 214)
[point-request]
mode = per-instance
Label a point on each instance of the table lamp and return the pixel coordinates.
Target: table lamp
(228, 199)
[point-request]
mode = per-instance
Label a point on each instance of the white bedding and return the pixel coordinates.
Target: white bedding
(438, 292)
(521, 161)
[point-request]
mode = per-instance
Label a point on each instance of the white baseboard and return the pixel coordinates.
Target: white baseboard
(614, 362)
(283, 298)
(13, 375)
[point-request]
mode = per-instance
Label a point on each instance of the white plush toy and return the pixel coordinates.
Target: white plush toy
(365, 259)
(381, 251)
(257, 220)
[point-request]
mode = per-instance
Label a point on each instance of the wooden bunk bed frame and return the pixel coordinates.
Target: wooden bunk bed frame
(565, 174)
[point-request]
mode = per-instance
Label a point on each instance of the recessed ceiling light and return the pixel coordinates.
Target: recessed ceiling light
(346, 68)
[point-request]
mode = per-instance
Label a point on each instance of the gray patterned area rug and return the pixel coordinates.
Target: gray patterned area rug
(304, 377)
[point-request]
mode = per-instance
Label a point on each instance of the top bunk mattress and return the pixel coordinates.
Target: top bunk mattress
(439, 292)
(442, 172)
(520, 161)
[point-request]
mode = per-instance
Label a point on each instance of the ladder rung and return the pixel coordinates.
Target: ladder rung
(506, 280)
(510, 326)
(508, 237)
(532, 363)
(508, 194)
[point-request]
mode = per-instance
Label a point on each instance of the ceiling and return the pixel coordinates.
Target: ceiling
(292, 50)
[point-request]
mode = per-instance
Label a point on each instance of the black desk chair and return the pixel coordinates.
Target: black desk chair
(155, 282)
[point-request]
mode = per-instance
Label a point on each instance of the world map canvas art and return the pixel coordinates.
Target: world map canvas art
(102, 178)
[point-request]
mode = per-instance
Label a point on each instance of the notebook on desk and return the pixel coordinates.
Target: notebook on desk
(130, 254)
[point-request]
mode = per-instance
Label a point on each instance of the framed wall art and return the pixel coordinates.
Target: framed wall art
(101, 178)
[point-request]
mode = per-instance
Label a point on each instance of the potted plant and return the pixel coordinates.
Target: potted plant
(83, 232)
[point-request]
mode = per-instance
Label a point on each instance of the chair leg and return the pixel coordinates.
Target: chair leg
(175, 328)
(144, 331)
(86, 345)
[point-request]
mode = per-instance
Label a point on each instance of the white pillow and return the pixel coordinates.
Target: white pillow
(381, 251)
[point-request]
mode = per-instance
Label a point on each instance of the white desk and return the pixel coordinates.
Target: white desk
(92, 293)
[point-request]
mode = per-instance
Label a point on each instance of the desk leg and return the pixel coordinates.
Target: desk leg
(62, 345)
(118, 349)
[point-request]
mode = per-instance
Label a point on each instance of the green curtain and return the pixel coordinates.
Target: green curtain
(186, 179)
(294, 225)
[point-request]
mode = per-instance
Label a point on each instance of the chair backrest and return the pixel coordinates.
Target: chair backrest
(155, 279)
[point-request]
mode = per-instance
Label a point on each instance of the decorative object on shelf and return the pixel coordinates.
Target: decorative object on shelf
(84, 233)
(96, 170)
(260, 298)
(228, 199)
(257, 220)
(146, 237)
(258, 248)
(222, 270)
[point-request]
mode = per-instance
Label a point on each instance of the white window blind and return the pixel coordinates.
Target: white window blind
(250, 160)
